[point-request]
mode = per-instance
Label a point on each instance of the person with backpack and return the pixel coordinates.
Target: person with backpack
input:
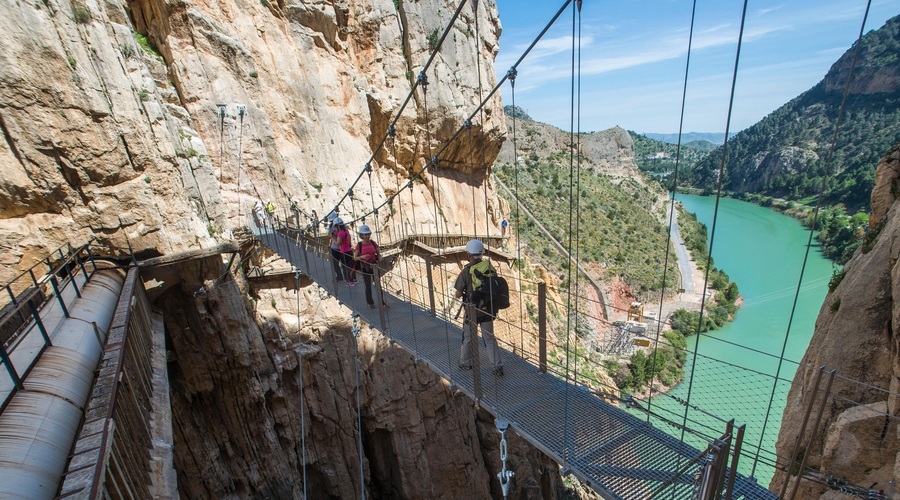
(345, 248)
(473, 286)
(335, 246)
(367, 255)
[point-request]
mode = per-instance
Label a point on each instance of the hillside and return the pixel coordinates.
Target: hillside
(620, 229)
(658, 157)
(786, 154)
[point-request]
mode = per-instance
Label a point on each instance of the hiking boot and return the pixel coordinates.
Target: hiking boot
(498, 371)
(465, 367)
(371, 306)
(385, 306)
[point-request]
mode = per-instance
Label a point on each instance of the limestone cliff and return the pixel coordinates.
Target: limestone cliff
(112, 130)
(856, 334)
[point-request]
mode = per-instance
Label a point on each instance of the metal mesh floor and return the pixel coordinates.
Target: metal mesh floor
(617, 454)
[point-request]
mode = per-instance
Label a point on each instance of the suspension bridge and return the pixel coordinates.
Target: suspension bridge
(80, 315)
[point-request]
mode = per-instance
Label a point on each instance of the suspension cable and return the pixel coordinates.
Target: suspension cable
(659, 323)
(712, 234)
(566, 416)
(302, 400)
(362, 477)
(511, 75)
(831, 149)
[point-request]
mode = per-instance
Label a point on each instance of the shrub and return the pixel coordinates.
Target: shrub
(81, 15)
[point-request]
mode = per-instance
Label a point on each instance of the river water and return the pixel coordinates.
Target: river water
(734, 371)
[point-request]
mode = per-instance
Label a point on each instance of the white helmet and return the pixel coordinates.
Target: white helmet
(474, 247)
(364, 229)
(338, 221)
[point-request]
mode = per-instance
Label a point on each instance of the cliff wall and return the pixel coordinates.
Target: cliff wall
(112, 131)
(856, 334)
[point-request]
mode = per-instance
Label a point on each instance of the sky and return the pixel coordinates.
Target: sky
(634, 53)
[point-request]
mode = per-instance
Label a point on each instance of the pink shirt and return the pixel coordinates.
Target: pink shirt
(344, 239)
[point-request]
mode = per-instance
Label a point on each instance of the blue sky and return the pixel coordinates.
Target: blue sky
(633, 58)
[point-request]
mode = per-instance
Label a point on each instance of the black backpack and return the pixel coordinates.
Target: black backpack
(490, 291)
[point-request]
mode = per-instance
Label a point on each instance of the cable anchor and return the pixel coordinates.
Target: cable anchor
(369, 167)
(392, 131)
(436, 162)
(505, 475)
(467, 124)
(423, 79)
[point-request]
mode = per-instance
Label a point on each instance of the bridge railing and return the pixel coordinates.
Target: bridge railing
(112, 451)
(56, 282)
(536, 330)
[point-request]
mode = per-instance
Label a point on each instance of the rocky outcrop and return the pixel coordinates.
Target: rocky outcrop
(262, 385)
(112, 131)
(855, 334)
(887, 186)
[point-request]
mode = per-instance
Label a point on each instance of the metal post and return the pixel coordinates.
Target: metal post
(93, 264)
(788, 467)
(10, 368)
(71, 277)
(39, 323)
(542, 327)
(15, 303)
(79, 261)
(738, 442)
(473, 349)
(815, 429)
(430, 284)
(62, 303)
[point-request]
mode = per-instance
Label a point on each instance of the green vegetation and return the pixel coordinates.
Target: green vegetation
(666, 364)
(433, 39)
(254, 74)
(516, 112)
(657, 157)
(614, 226)
(145, 44)
(839, 233)
(81, 15)
(72, 62)
(789, 154)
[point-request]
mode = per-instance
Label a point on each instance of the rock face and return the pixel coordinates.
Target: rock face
(856, 334)
(112, 130)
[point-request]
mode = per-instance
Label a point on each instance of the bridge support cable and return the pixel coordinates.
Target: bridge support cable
(712, 233)
(819, 197)
(567, 415)
(659, 323)
(485, 100)
(362, 473)
(302, 395)
(511, 76)
(505, 475)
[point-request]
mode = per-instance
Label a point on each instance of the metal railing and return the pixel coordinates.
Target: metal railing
(112, 451)
(25, 322)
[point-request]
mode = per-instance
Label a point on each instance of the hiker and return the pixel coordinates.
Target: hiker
(484, 312)
(314, 223)
(367, 255)
(295, 211)
(503, 226)
(345, 248)
(270, 209)
(259, 213)
(335, 246)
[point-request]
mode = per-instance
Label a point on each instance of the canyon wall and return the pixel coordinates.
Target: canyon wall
(856, 335)
(151, 126)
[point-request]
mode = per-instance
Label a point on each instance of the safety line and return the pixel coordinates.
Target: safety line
(712, 234)
(687, 67)
(837, 125)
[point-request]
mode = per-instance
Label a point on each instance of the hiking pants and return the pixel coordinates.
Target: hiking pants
(337, 257)
(487, 333)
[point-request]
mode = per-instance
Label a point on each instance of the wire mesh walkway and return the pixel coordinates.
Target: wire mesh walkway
(617, 454)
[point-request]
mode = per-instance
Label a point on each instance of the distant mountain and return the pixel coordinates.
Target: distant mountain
(785, 154)
(713, 137)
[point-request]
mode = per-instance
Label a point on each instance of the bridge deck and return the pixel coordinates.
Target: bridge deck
(618, 454)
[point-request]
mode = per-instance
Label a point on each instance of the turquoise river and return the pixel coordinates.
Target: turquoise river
(734, 369)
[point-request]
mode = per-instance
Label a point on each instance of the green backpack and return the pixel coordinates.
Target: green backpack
(490, 291)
